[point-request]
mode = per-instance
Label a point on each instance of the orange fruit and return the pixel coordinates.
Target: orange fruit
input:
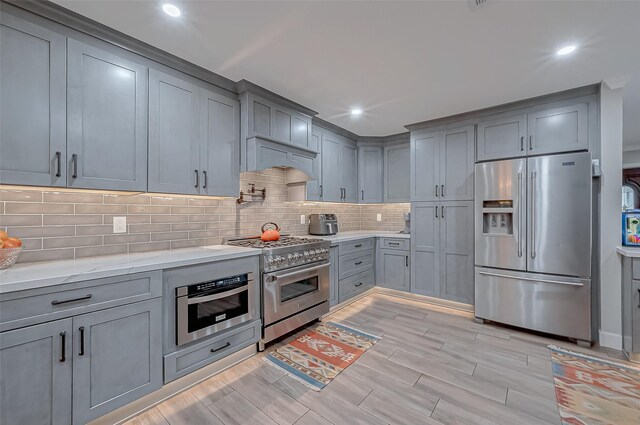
(3, 235)
(12, 243)
(1, 243)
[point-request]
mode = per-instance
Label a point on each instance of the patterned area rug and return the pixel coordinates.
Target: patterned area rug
(319, 355)
(593, 391)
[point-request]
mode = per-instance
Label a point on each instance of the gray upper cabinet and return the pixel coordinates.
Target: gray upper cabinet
(272, 121)
(397, 173)
(370, 174)
(314, 189)
(117, 357)
(32, 104)
(502, 137)
(456, 251)
(349, 171)
(559, 129)
(36, 373)
(331, 181)
(425, 166)
(106, 120)
(174, 134)
(220, 148)
(425, 248)
(457, 164)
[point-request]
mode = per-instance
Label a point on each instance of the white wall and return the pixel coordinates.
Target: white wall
(631, 158)
(610, 190)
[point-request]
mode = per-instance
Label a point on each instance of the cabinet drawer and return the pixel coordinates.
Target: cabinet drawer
(190, 359)
(394, 243)
(636, 268)
(355, 263)
(355, 246)
(45, 304)
(354, 285)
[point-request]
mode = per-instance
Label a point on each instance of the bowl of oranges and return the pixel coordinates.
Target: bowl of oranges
(10, 249)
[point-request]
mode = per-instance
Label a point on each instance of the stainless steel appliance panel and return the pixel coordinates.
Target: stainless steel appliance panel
(503, 181)
(323, 224)
(559, 218)
(546, 303)
(290, 291)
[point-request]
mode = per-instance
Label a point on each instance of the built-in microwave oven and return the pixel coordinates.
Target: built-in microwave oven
(208, 307)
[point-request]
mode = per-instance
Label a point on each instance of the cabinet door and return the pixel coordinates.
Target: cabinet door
(174, 139)
(502, 137)
(425, 166)
(456, 251)
(117, 358)
(561, 129)
(220, 149)
(396, 173)
(331, 188)
(35, 375)
(106, 120)
(313, 186)
(635, 316)
(457, 163)
(394, 269)
(425, 248)
(349, 171)
(32, 104)
(370, 175)
(333, 275)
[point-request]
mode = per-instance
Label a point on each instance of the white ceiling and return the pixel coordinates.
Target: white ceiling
(401, 62)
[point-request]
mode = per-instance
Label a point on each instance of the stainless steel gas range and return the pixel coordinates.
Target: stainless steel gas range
(294, 283)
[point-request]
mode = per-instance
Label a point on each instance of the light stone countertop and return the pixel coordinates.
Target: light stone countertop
(361, 234)
(48, 273)
(629, 251)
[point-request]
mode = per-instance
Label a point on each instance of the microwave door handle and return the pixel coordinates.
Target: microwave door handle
(225, 294)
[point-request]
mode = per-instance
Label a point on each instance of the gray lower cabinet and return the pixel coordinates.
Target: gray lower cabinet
(396, 173)
(502, 136)
(370, 180)
(442, 250)
(393, 270)
(106, 120)
(630, 312)
(334, 276)
(117, 357)
(32, 104)
(35, 374)
(355, 268)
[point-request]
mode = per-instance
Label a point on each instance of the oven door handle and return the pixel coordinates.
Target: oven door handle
(225, 294)
(304, 272)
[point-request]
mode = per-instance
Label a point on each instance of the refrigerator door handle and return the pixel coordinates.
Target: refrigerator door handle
(520, 215)
(533, 214)
(530, 279)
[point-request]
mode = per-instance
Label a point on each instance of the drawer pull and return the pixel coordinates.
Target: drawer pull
(358, 245)
(56, 302)
(63, 351)
(358, 284)
(81, 329)
(638, 297)
(394, 243)
(358, 263)
(213, 350)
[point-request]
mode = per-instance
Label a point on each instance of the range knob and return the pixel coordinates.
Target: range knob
(280, 259)
(318, 251)
(297, 255)
(271, 260)
(308, 254)
(290, 257)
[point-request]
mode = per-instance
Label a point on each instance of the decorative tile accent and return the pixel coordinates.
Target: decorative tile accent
(70, 223)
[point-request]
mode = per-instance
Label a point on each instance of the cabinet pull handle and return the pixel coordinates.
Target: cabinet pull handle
(345, 194)
(436, 191)
(442, 190)
(59, 164)
(81, 329)
(394, 243)
(442, 211)
(358, 263)
(358, 284)
(197, 178)
(56, 302)
(358, 245)
(320, 191)
(406, 261)
(74, 159)
(530, 142)
(522, 143)
(204, 183)
(638, 297)
(363, 195)
(213, 350)
(63, 350)
(436, 211)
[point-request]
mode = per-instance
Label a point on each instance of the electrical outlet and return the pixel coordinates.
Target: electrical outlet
(378, 217)
(303, 219)
(119, 224)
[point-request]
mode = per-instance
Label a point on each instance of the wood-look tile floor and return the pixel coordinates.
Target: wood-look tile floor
(433, 365)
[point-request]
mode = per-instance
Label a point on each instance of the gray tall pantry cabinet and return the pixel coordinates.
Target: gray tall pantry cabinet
(442, 257)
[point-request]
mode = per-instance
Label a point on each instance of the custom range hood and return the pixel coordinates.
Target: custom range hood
(275, 132)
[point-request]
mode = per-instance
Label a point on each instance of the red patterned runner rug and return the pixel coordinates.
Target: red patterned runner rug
(320, 354)
(594, 391)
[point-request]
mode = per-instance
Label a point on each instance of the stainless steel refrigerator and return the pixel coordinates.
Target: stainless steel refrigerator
(533, 243)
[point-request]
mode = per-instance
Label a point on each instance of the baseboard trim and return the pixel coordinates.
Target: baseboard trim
(349, 301)
(610, 340)
(425, 299)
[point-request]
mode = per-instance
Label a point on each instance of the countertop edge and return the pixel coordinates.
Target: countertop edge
(628, 251)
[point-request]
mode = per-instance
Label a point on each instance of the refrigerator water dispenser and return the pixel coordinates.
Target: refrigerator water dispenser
(497, 217)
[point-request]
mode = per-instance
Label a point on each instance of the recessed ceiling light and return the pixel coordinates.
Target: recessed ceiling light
(171, 10)
(355, 112)
(566, 50)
